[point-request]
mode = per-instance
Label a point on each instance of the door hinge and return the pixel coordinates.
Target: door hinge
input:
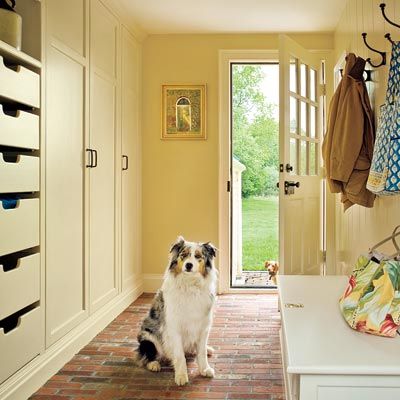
(228, 186)
(323, 89)
(324, 256)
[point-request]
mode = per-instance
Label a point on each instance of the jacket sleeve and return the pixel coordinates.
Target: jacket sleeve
(348, 135)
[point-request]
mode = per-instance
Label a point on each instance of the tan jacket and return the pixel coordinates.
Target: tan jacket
(349, 140)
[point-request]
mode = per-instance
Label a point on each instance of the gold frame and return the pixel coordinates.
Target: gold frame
(183, 135)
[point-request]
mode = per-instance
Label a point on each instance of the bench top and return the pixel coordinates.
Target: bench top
(317, 338)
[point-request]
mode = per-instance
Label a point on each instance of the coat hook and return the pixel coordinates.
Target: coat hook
(382, 6)
(388, 37)
(382, 53)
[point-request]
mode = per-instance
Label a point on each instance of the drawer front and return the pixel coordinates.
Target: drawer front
(20, 286)
(21, 85)
(19, 176)
(19, 226)
(20, 345)
(19, 131)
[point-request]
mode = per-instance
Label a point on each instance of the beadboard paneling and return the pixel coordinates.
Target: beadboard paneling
(360, 228)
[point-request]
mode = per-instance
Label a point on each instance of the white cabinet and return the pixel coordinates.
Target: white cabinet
(83, 161)
(104, 112)
(131, 171)
(323, 358)
(66, 133)
(21, 311)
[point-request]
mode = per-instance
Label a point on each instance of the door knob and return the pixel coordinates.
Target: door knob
(290, 185)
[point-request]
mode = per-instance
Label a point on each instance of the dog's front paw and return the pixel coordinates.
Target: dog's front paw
(181, 379)
(208, 372)
(154, 366)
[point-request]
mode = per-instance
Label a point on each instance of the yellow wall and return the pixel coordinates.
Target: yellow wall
(180, 178)
(360, 228)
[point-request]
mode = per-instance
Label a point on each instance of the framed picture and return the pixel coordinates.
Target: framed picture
(183, 112)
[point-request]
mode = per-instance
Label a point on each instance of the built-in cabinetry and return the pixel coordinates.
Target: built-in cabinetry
(21, 301)
(323, 358)
(70, 181)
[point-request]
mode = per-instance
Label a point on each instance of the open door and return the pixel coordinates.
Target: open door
(300, 184)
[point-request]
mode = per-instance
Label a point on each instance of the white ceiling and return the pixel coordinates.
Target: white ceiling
(234, 16)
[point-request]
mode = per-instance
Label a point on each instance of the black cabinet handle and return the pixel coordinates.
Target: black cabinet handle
(95, 159)
(125, 163)
(90, 164)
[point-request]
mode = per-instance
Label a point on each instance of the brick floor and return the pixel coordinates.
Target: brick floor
(246, 359)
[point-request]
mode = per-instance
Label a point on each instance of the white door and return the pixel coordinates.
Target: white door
(300, 179)
(104, 67)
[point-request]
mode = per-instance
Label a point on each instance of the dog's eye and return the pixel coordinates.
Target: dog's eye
(198, 256)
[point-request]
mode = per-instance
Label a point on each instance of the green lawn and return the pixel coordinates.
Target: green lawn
(260, 231)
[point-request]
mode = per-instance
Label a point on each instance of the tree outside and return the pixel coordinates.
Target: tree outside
(255, 143)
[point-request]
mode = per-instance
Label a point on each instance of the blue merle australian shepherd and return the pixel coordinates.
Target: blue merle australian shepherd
(180, 317)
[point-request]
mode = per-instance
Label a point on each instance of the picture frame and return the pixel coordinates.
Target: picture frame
(184, 112)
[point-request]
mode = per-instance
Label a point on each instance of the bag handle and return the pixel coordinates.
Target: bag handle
(393, 86)
(392, 237)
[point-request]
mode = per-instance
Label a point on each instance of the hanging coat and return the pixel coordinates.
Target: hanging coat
(348, 144)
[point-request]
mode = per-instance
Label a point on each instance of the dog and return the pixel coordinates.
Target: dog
(180, 317)
(272, 267)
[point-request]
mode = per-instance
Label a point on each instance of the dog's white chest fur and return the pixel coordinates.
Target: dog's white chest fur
(188, 311)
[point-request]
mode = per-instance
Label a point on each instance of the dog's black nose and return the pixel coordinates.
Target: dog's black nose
(189, 266)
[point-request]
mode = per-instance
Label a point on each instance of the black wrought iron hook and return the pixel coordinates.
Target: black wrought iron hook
(367, 74)
(382, 6)
(382, 53)
(388, 37)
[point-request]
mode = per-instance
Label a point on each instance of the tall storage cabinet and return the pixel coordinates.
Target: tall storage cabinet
(69, 185)
(84, 161)
(67, 103)
(104, 126)
(131, 161)
(21, 300)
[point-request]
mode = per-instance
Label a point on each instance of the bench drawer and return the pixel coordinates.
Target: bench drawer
(21, 344)
(19, 173)
(19, 226)
(19, 130)
(19, 84)
(20, 286)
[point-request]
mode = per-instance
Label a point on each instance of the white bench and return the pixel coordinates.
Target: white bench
(323, 358)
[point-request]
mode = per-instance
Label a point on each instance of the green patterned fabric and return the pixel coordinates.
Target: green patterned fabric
(371, 301)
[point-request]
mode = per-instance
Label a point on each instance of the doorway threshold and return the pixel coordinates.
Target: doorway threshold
(253, 280)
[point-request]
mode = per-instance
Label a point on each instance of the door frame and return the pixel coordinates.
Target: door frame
(226, 57)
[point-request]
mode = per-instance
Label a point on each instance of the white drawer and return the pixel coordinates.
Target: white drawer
(19, 84)
(22, 344)
(20, 286)
(19, 131)
(19, 176)
(19, 226)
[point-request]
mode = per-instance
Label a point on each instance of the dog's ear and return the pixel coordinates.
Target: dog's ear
(175, 250)
(209, 249)
(177, 246)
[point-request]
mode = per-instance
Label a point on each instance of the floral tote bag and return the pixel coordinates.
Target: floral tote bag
(371, 301)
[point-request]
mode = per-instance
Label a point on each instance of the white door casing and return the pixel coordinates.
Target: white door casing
(300, 230)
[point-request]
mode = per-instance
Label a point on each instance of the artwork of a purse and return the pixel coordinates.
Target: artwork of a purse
(384, 175)
(371, 301)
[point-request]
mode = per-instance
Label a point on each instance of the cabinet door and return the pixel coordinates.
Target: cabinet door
(104, 32)
(130, 201)
(66, 287)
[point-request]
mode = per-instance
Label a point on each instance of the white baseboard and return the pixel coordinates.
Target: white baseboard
(152, 282)
(33, 375)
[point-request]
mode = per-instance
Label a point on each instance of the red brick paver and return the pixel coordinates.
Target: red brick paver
(246, 359)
